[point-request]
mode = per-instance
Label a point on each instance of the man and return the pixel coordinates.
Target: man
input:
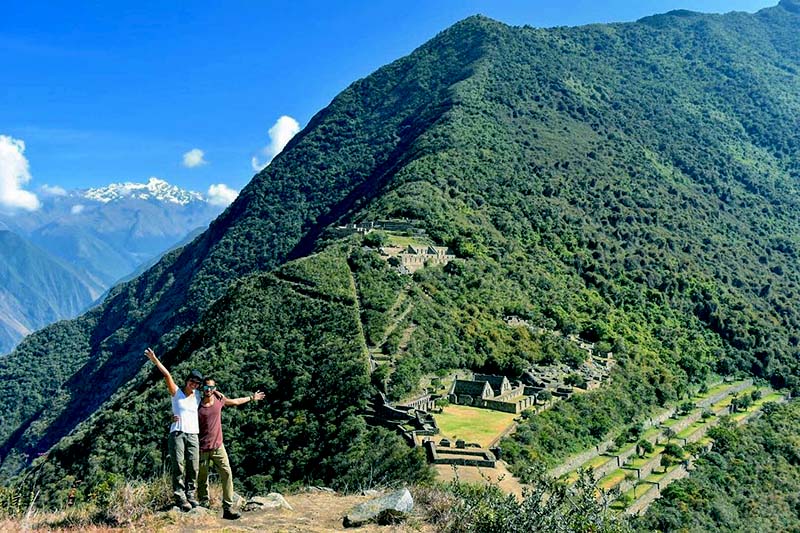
(184, 442)
(212, 450)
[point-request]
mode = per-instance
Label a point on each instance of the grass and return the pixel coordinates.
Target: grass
(473, 424)
(631, 496)
(395, 239)
(652, 432)
(715, 389)
(772, 397)
(613, 479)
(655, 477)
(639, 462)
(686, 433)
(672, 421)
(600, 460)
(728, 399)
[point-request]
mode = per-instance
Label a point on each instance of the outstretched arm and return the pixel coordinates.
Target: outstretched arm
(244, 399)
(173, 388)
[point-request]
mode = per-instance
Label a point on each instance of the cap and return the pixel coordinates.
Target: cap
(195, 375)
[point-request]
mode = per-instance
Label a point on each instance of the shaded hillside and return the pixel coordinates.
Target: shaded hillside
(338, 159)
(297, 338)
(36, 289)
(633, 183)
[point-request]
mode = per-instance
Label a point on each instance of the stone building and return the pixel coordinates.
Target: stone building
(500, 384)
(490, 392)
(414, 257)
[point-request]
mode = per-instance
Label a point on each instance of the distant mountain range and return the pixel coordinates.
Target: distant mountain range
(61, 258)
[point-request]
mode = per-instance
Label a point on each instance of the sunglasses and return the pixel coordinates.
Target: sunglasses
(209, 387)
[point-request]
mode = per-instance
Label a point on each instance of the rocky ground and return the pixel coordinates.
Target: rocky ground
(312, 512)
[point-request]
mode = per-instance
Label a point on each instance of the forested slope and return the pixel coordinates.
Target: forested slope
(334, 162)
(750, 482)
(632, 183)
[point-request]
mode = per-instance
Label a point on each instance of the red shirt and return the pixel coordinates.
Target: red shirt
(210, 418)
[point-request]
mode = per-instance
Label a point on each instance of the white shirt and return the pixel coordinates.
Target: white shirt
(185, 408)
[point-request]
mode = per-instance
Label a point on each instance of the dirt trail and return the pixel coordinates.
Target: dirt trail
(313, 512)
(499, 476)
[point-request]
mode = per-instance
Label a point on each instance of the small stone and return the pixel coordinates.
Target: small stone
(389, 509)
(273, 500)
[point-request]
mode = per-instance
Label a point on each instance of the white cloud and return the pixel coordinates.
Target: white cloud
(77, 209)
(279, 136)
(14, 174)
(221, 194)
(53, 190)
(194, 158)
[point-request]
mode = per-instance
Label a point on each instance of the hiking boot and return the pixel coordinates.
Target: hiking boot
(185, 506)
(227, 514)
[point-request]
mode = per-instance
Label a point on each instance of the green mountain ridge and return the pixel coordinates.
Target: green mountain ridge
(631, 183)
(255, 233)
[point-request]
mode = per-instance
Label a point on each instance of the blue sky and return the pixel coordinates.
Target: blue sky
(101, 92)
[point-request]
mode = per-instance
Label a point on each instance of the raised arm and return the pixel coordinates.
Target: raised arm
(244, 399)
(173, 388)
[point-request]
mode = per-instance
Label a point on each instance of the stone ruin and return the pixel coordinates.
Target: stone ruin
(490, 392)
(410, 422)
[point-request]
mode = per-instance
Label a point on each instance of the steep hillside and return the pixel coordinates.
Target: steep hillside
(102, 236)
(632, 183)
(294, 334)
(36, 289)
(749, 482)
(342, 156)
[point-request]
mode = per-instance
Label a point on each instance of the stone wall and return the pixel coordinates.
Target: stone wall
(647, 468)
(687, 421)
(606, 468)
(510, 395)
(727, 392)
(459, 456)
(577, 460)
(624, 456)
(671, 476)
(495, 405)
(644, 501)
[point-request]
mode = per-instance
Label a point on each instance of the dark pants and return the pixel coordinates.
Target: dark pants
(184, 458)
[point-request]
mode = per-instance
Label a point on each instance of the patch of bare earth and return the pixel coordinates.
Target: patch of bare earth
(312, 512)
(315, 512)
(499, 476)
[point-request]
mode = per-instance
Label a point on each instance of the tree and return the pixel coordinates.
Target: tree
(643, 447)
(544, 396)
(375, 239)
(575, 379)
(635, 431)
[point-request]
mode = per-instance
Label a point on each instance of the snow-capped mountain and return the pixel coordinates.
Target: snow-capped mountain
(154, 189)
(103, 234)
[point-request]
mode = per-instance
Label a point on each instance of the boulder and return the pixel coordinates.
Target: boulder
(389, 509)
(273, 500)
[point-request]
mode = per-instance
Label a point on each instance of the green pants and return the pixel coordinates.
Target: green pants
(219, 458)
(184, 458)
